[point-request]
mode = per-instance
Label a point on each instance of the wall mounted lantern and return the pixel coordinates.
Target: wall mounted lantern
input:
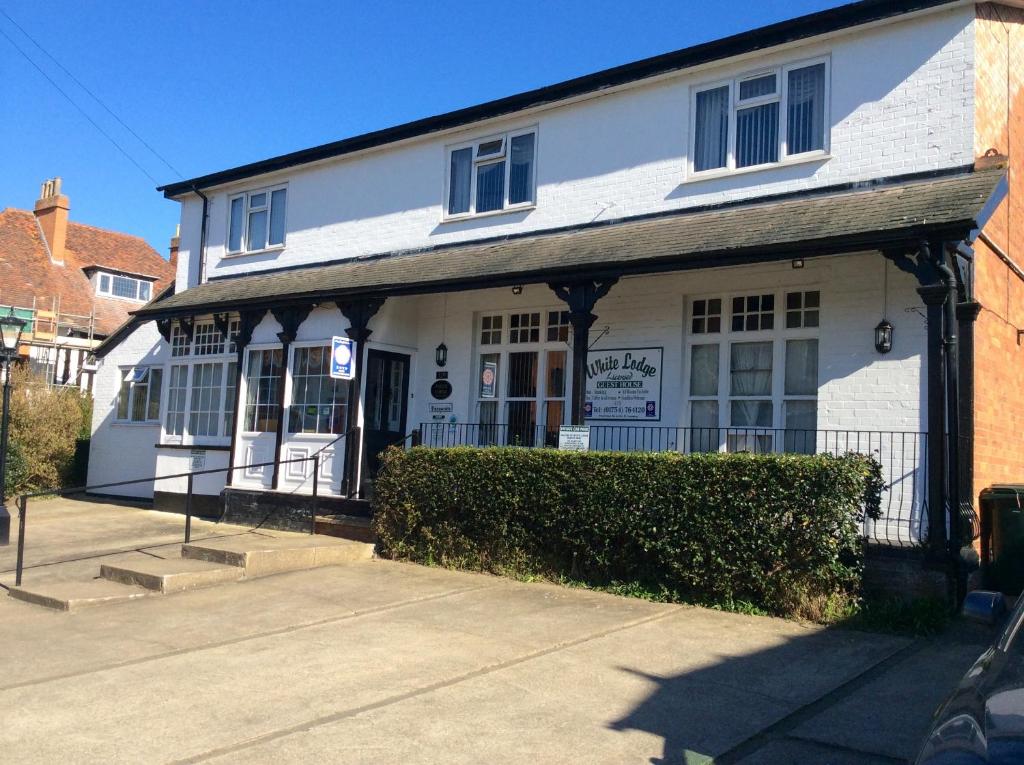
(441, 355)
(517, 289)
(883, 336)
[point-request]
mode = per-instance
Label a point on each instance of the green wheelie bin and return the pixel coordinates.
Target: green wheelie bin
(1002, 517)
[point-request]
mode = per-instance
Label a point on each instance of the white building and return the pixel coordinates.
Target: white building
(726, 228)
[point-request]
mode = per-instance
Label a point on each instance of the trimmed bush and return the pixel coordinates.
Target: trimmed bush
(775, 531)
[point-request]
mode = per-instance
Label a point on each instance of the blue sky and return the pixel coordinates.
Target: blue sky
(215, 84)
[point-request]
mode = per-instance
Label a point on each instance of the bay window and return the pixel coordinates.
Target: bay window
(491, 174)
(256, 220)
(753, 380)
(201, 385)
(760, 119)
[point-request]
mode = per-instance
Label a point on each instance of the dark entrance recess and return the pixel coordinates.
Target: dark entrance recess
(387, 396)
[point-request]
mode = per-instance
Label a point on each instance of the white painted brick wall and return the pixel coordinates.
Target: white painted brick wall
(901, 101)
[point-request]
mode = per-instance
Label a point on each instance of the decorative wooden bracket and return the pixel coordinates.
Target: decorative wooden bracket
(188, 327)
(222, 321)
(290, 318)
(359, 312)
(163, 326)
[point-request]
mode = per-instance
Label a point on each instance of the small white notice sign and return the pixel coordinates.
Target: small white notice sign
(441, 411)
(197, 459)
(574, 438)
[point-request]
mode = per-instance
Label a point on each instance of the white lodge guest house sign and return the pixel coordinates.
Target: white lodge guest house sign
(624, 384)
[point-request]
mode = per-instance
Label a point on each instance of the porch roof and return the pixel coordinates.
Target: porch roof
(894, 212)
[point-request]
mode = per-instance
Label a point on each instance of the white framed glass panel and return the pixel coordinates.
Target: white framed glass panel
(145, 290)
(105, 283)
(262, 378)
(205, 401)
(277, 208)
(711, 128)
(805, 116)
(801, 368)
(520, 182)
(177, 394)
(757, 135)
(459, 181)
(156, 378)
(319, 403)
(704, 370)
(236, 224)
(490, 186)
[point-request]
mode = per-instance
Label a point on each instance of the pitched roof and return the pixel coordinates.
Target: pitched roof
(27, 271)
(844, 219)
(791, 30)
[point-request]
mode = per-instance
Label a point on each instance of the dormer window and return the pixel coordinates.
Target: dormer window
(491, 174)
(256, 220)
(761, 119)
(127, 287)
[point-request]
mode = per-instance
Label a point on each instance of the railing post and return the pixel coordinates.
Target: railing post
(22, 510)
(316, 481)
(188, 510)
(417, 439)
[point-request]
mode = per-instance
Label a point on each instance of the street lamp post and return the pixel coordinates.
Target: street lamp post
(10, 336)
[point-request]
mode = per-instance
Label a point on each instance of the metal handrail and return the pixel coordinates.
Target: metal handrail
(62, 491)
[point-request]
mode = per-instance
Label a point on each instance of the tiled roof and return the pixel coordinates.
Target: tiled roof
(865, 217)
(26, 271)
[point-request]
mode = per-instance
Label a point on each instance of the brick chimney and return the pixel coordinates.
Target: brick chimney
(52, 213)
(175, 241)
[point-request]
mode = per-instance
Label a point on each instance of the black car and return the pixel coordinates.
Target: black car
(983, 721)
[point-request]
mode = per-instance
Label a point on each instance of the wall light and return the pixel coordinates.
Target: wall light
(883, 336)
(441, 355)
(517, 289)
(798, 262)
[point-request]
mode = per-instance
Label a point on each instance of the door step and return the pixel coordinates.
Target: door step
(71, 595)
(357, 528)
(261, 556)
(170, 574)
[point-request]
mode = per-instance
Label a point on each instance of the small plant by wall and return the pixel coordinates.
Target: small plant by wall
(780, 532)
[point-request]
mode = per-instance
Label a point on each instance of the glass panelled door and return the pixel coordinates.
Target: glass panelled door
(387, 393)
(259, 415)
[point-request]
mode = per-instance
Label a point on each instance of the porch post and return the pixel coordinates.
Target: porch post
(358, 312)
(966, 314)
(934, 297)
(247, 321)
(581, 297)
(290, 318)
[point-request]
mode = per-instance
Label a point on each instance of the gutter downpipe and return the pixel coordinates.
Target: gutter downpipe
(202, 234)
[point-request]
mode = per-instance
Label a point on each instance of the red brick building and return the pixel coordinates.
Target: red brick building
(75, 284)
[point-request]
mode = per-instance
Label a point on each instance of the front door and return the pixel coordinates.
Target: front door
(387, 392)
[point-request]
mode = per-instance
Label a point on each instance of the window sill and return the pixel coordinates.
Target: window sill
(130, 424)
(801, 159)
(200, 447)
(488, 214)
(264, 251)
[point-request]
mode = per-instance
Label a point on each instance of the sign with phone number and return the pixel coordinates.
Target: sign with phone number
(624, 384)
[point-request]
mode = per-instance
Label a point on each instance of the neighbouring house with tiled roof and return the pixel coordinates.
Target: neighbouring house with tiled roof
(75, 284)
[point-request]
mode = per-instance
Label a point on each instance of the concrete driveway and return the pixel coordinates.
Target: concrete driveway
(391, 662)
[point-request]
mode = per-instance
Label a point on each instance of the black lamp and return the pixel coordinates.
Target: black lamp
(883, 336)
(441, 355)
(10, 337)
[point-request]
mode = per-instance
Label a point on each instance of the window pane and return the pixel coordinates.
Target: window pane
(277, 206)
(144, 290)
(229, 398)
(261, 404)
(319, 402)
(520, 185)
(757, 87)
(757, 135)
(522, 375)
(235, 226)
(205, 407)
(490, 187)
(711, 128)
(489, 368)
(257, 237)
(125, 287)
(704, 370)
(140, 399)
(751, 369)
(123, 399)
(257, 200)
(801, 367)
(522, 422)
(459, 180)
(704, 433)
(753, 414)
(556, 373)
(554, 414)
(805, 126)
(801, 420)
(156, 377)
(104, 283)
(176, 393)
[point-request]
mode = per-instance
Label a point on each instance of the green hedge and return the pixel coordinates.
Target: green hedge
(775, 531)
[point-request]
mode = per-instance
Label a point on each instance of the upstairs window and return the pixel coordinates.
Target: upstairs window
(491, 174)
(256, 220)
(760, 119)
(114, 285)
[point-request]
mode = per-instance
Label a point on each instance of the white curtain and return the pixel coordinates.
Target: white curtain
(751, 375)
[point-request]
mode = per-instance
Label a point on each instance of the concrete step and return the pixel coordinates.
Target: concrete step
(73, 595)
(260, 556)
(358, 528)
(170, 574)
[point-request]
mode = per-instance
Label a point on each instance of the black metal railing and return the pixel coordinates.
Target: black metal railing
(902, 455)
(190, 476)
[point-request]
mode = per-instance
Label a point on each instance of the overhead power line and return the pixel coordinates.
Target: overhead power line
(75, 104)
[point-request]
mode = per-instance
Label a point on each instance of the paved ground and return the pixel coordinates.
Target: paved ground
(387, 662)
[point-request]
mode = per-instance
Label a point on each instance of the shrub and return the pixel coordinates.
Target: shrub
(773, 531)
(45, 424)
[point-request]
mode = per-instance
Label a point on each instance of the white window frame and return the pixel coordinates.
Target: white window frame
(725, 339)
(147, 373)
(289, 389)
(542, 348)
(190, 360)
(476, 161)
(109, 292)
(782, 96)
(244, 196)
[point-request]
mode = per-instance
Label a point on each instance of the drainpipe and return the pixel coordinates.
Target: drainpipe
(952, 364)
(202, 235)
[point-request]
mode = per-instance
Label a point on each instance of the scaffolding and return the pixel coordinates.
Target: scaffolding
(48, 330)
